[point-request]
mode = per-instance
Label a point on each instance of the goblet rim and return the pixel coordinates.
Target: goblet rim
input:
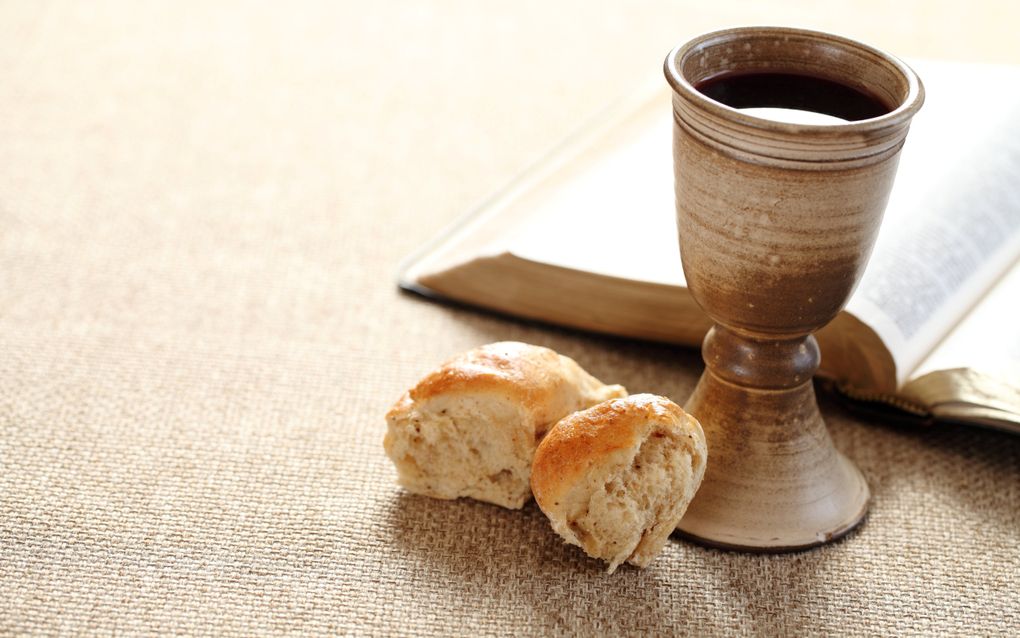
(899, 116)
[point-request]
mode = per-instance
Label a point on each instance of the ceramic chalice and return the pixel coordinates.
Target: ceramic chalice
(777, 221)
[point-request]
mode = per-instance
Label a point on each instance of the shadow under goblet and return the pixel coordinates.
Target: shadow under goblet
(777, 221)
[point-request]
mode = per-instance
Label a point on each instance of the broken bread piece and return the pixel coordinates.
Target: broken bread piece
(616, 478)
(470, 427)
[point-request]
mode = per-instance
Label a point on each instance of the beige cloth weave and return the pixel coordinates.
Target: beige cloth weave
(202, 207)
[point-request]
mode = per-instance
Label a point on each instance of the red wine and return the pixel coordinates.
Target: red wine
(800, 92)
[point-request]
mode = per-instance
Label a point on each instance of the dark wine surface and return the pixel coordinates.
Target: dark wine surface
(792, 91)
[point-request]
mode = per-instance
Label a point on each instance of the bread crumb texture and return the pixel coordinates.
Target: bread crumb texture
(470, 427)
(615, 479)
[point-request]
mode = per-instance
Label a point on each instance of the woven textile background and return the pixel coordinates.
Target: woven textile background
(202, 207)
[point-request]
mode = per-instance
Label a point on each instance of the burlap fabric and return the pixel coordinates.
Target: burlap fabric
(201, 212)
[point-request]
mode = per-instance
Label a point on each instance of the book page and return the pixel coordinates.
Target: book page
(952, 226)
(988, 339)
(608, 184)
(616, 217)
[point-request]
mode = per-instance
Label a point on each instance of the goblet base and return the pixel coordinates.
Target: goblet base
(774, 481)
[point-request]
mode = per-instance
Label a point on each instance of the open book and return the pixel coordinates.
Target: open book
(587, 239)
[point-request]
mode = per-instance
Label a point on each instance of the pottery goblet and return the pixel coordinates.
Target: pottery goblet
(776, 222)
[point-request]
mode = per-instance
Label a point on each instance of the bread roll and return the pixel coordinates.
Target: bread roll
(470, 427)
(616, 479)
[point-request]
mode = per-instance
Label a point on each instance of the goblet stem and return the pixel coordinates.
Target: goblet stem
(774, 480)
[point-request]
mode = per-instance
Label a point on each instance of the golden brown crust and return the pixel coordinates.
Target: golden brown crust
(582, 439)
(530, 376)
(511, 364)
(403, 404)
